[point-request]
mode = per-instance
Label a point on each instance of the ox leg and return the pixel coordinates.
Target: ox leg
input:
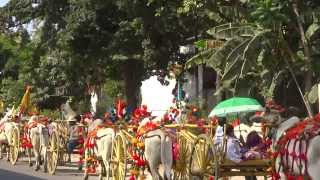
(86, 165)
(8, 151)
(313, 155)
(29, 156)
(102, 170)
(154, 172)
(1, 147)
(167, 160)
(37, 157)
(105, 153)
(45, 160)
(80, 163)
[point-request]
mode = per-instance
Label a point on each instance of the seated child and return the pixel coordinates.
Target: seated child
(255, 148)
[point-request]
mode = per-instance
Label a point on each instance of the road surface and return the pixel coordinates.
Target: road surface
(21, 171)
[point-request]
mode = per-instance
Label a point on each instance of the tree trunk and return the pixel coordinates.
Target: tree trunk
(288, 50)
(132, 75)
(200, 83)
(306, 48)
(218, 84)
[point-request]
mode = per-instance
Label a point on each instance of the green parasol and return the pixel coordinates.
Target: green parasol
(236, 105)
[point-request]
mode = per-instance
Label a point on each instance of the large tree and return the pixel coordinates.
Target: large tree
(82, 42)
(273, 44)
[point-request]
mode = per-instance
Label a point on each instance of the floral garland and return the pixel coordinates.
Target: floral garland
(81, 142)
(90, 144)
(149, 126)
(304, 130)
(138, 159)
(91, 160)
(139, 113)
(26, 143)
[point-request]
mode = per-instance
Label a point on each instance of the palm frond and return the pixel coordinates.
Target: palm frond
(199, 58)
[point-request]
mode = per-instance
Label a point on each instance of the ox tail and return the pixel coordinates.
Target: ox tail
(166, 155)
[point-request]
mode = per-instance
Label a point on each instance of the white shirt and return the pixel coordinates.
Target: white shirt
(233, 150)
(218, 136)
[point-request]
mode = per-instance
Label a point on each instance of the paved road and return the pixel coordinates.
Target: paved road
(21, 171)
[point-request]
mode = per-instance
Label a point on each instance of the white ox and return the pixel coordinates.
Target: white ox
(6, 129)
(39, 136)
(312, 148)
(158, 150)
(103, 141)
(103, 146)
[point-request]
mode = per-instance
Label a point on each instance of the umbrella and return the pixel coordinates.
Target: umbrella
(236, 105)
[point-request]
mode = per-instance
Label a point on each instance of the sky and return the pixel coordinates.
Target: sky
(3, 2)
(158, 98)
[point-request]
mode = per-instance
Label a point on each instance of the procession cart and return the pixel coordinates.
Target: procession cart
(207, 159)
(57, 149)
(122, 158)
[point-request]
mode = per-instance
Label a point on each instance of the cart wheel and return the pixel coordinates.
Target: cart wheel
(14, 146)
(63, 156)
(119, 158)
(203, 159)
(181, 170)
(53, 152)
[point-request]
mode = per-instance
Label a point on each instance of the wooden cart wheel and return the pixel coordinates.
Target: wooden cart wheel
(181, 170)
(14, 146)
(119, 158)
(53, 152)
(203, 159)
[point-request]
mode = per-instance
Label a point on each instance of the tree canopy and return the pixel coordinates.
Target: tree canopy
(255, 46)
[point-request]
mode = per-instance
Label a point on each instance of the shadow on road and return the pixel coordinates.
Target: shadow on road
(73, 172)
(14, 175)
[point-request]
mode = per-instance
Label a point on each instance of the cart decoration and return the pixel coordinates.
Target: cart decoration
(25, 141)
(136, 150)
(302, 131)
(149, 126)
(139, 113)
(208, 161)
(90, 144)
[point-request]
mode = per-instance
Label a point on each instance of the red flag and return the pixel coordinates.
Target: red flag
(120, 106)
(236, 122)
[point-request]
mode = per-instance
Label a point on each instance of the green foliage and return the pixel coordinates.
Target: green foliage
(12, 91)
(257, 43)
(79, 43)
(52, 114)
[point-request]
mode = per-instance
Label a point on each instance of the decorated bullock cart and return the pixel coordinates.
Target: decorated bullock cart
(208, 160)
(57, 148)
(128, 147)
(59, 131)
